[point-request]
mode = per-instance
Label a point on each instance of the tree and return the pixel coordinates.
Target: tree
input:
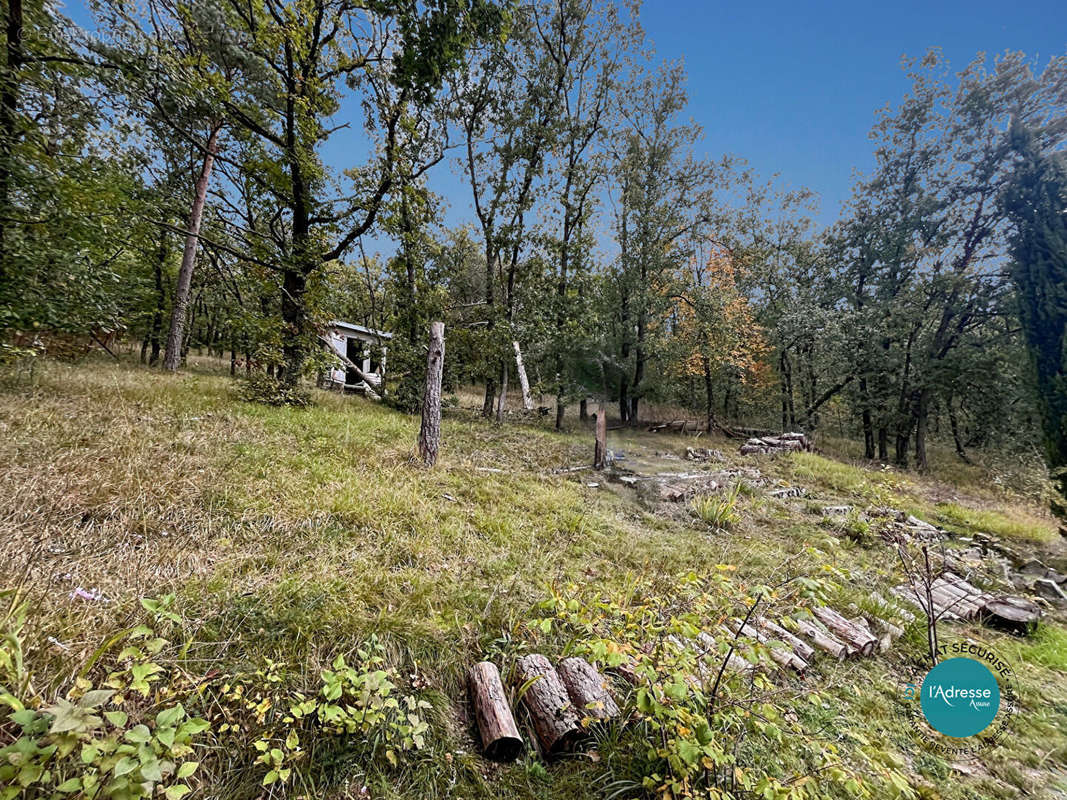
(295, 58)
(1036, 203)
(507, 107)
(663, 197)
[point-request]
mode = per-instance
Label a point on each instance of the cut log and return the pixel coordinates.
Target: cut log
(966, 604)
(500, 736)
(895, 610)
(587, 689)
(886, 631)
(550, 708)
(708, 649)
(955, 600)
(824, 640)
(776, 631)
(781, 655)
(628, 673)
(862, 640)
(1011, 613)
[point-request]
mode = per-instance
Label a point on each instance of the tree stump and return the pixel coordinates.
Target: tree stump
(551, 710)
(500, 736)
(430, 430)
(587, 689)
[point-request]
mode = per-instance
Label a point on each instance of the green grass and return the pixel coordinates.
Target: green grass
(293, 534)
(1008, 524)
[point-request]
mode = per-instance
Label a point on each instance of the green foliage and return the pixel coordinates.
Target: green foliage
(718, 511)
(1035, 202)
(358, 706)
(696, 736)
(87, 743)
(259, 387)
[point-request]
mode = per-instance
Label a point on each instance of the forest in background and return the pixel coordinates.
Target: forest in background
(162, 181)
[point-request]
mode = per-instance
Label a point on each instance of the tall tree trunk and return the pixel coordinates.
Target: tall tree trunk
(430, 430)
(9, 123)
(922, 418)
(502, 402)
(490, 275)
(883, 443)
(957, 438)
(786, 368)
(868, 422)
(583, 409)
(490, 399)
(172, 358)
(640, 357)
(294, 288)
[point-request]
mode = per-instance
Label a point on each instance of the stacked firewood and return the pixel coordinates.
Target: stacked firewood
(557, 700)
(949, 597)
(786, 443)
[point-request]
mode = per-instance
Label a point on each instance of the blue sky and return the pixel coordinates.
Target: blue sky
(793, 87)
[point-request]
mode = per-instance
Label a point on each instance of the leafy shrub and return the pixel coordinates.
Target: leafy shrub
(86, 743)
(260, 387)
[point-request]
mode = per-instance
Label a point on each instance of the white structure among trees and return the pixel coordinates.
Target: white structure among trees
(363, 353)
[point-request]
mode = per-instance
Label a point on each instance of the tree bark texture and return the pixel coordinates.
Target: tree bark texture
(549, 705)
(430, 430)
(524, 382)
(496, 725)
(587, 689)
(172, 358)
(600, 448)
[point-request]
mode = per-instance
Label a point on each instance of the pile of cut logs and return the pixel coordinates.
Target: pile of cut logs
(556, 700)
(951, 598)
(787, 442)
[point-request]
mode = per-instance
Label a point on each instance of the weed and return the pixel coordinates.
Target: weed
(719, 512)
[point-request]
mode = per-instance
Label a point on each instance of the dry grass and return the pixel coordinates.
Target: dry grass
(291, 534)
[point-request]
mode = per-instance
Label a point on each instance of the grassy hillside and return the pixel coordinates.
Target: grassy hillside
(291, 537)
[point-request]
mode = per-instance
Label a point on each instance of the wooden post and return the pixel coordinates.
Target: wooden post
(500, 736)
(527, 401)
(551, 711)
(600, 449)
(430, 431)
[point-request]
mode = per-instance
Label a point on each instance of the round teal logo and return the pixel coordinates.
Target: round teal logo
(960, 697)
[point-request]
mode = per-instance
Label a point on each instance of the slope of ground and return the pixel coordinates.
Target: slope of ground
(288, 537)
